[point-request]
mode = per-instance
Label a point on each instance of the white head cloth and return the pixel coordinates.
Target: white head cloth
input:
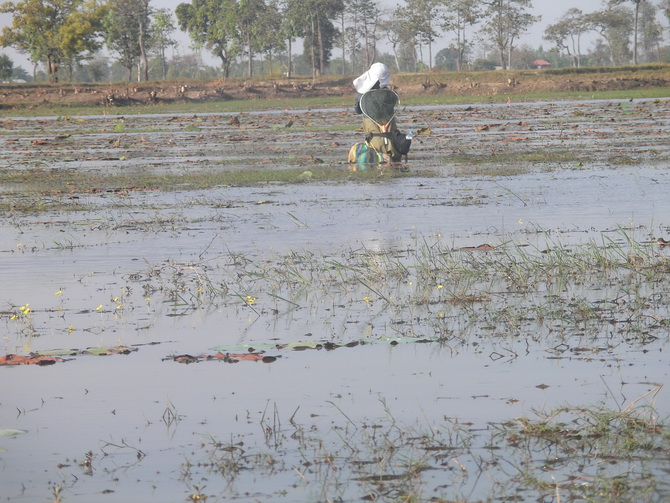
(377, 72)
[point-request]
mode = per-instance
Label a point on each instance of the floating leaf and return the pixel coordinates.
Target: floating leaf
(483, 247)
(256, 352)
(105, 351)
(225, 357)
(58, 352)
(236, 348)
(12, 359)
(8, 432)
(298, 346)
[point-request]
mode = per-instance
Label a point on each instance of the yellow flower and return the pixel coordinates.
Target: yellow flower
(99, 307)
(59, 292)
(440, 287)
(366, 299)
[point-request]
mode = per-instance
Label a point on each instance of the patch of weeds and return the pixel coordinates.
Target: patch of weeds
(507, 163)
(589, 453)
(120, 126)
(35, 191)
(570, 454)
(34, 203)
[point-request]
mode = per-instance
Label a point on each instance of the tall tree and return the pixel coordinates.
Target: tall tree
(665, 7)
(567, 32)
(364, 19)
(319, 31)
(458, 16)
(636, 20)
(80, 38)
(6, 68)
(353, 44)
(506, 21)
(651, 32)
(249, 12)
(163, 27)
(401, 35)
(212, 24)
(291, 28)
(613, 24)
(423, 15)
(127, 33)
(268, 36)
(51, 30)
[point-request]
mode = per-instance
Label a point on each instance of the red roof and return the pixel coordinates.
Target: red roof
(541, 62)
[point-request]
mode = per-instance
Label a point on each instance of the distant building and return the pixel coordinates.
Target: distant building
(540, 64)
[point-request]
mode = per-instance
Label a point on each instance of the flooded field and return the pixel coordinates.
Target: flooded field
(485, 322)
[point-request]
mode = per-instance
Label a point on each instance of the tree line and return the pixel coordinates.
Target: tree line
(337, 36)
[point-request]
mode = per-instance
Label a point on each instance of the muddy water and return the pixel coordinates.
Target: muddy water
(134, 269)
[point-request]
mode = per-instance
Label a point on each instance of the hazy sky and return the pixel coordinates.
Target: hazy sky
(550, 10)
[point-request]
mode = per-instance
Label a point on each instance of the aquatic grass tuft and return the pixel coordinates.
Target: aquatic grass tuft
(568, 454)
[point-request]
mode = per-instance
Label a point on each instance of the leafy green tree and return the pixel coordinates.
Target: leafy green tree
(665, 7)
(291, 28)
(651, 32)
(447, 59)
(506, 21)
(249, 16)
(363, 16)
(20, 73)
(458, 16)
(212, 24)
(352, 42)
(613, 24)
(163, 27)
(6, 68)
(567, 32)
(636, 22)
(95, 70)
(422, 16)
(401, 34)
(127, 33)
(81, 38)
(320, 34)
(268, 36)
(53, 31)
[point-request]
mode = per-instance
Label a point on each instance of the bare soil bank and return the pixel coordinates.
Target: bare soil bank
(435, 84)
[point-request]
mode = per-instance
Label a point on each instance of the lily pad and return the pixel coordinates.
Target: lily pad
(12, 359)
(105, 351)
(225, 357)
(8, 432)
(58, 352)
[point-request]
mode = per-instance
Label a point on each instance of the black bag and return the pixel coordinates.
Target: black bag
(400, 142)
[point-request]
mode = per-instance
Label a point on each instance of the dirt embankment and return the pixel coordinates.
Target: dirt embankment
(462, 84)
